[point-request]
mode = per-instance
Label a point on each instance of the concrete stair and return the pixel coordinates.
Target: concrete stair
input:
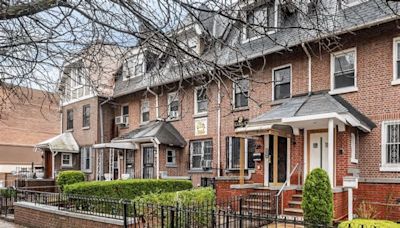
(294, 207)
(257, 203)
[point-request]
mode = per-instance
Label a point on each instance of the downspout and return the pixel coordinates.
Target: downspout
(219, 130)
(309, 67)
(101, 134)
(157, 146)
(156, 95)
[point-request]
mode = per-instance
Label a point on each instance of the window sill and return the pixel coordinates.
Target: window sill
(355, 161)
(173, 119)
(66, 166)
(246, 108)
(395, 82)
(279, 101)
(171, 166)
(343, 90)
(85, 128)
(389, 168)
(198, 115)
(247, 40)
(144, 123)
(199, 171)
(237, 170)
(69, 130)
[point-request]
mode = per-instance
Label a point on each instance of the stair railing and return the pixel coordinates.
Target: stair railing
(284, 185)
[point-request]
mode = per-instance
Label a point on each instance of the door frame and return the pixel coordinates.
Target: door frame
(309, 133)
(142, 160)
(274, 163)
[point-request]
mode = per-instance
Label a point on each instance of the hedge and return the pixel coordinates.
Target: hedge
(317, 201)
(69, 177)
(127, 189)
(199, 196)
(355, 223)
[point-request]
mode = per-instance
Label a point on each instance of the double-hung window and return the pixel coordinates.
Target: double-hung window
(233, 152)
(145, 111)
(86, 116)
(390, 146)
(171, 157)
(173, 105)
(281, 82)
(66, 160)
(70, 119)
(125, 113)
(344, 71)
(200, 101)
(241, 93)
(86, 159)
(201, 154)
(260, 20)
(396, 61)
(354, 147)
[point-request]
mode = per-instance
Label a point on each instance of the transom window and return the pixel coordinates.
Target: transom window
(396, 61)
(343, 70)
(86, 159)
(70, 119)
(260, 20)
(201, 100)
(391, 144)
(145, 111)
(233, 153)
(171, 157)
(66, 160)
(241, 93)
(86, 116)
(201, 154)
(281, 82)
(173, 105)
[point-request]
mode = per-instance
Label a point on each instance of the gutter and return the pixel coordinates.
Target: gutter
(156, 95)
(309, 68)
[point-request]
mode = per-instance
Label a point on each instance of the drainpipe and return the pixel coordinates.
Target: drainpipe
(219, 130)
(309, 67)
(101, 134)
(157, 146)
(156, 95)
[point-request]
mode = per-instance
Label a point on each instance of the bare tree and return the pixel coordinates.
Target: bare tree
(38, 38)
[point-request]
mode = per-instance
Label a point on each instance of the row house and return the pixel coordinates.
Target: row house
(302, 101)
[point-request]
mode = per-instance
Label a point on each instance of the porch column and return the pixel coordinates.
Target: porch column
(242, 160)
(331, 150)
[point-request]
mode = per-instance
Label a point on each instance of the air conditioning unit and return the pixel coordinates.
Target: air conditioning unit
(206, 164)
(121, 120)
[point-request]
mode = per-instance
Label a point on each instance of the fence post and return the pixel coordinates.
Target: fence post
(172, 218)
(241, 212)
(59, 200)
(162, 216)
(125, 205)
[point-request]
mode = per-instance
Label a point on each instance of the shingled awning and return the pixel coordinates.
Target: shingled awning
(160, 131)
(311, 108)
(64, 142)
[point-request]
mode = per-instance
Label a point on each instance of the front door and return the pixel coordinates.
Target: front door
(148, 161)
(277, 159)
(48, 164)
(319, 151)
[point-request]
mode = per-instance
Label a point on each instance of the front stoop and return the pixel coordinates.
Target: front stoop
(294, 208)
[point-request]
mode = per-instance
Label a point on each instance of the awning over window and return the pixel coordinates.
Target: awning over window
(160, 132)
(305, 110)
(117, 145)
(64, 142)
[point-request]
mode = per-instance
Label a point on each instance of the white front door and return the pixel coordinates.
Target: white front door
(319, 151)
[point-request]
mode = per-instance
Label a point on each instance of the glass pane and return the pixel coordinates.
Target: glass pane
(398, 69)
(235, 160)
(145, 116)
(344, 80)
(202, 106)
(196, 161)
(241, 100)
(398, 51)
(196, 147)
(125, 110)
(344, 62)
(242, 85)
(251, 149)
(174, 106)
(282, 91)
(282, 76)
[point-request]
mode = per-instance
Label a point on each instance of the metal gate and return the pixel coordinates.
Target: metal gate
(148, 162)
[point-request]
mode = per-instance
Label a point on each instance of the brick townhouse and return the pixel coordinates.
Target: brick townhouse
(300, 107)
(27, 117)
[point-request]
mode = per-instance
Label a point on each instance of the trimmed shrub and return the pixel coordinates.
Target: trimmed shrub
(127, 189)
(355, 223)
(70, 177)
(317, 202)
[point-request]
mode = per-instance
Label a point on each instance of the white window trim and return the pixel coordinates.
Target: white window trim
(171, 97)
(395, 80)
(83, 160)
(353, 148)
(69, 165)
(195, 102)
(349, 88)
(273, 79)
(139, 56)
(385, 167)
(141, 110)
(234, 93)
(246, 157)
(170, 164)
(244, 29)
(202, 154)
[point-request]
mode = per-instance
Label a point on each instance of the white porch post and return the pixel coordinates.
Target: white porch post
(266, 160)
(331, 150)
(52, 164)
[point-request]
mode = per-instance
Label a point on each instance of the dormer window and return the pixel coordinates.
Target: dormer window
(76, 85)
(260, 20)
(134, 66)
